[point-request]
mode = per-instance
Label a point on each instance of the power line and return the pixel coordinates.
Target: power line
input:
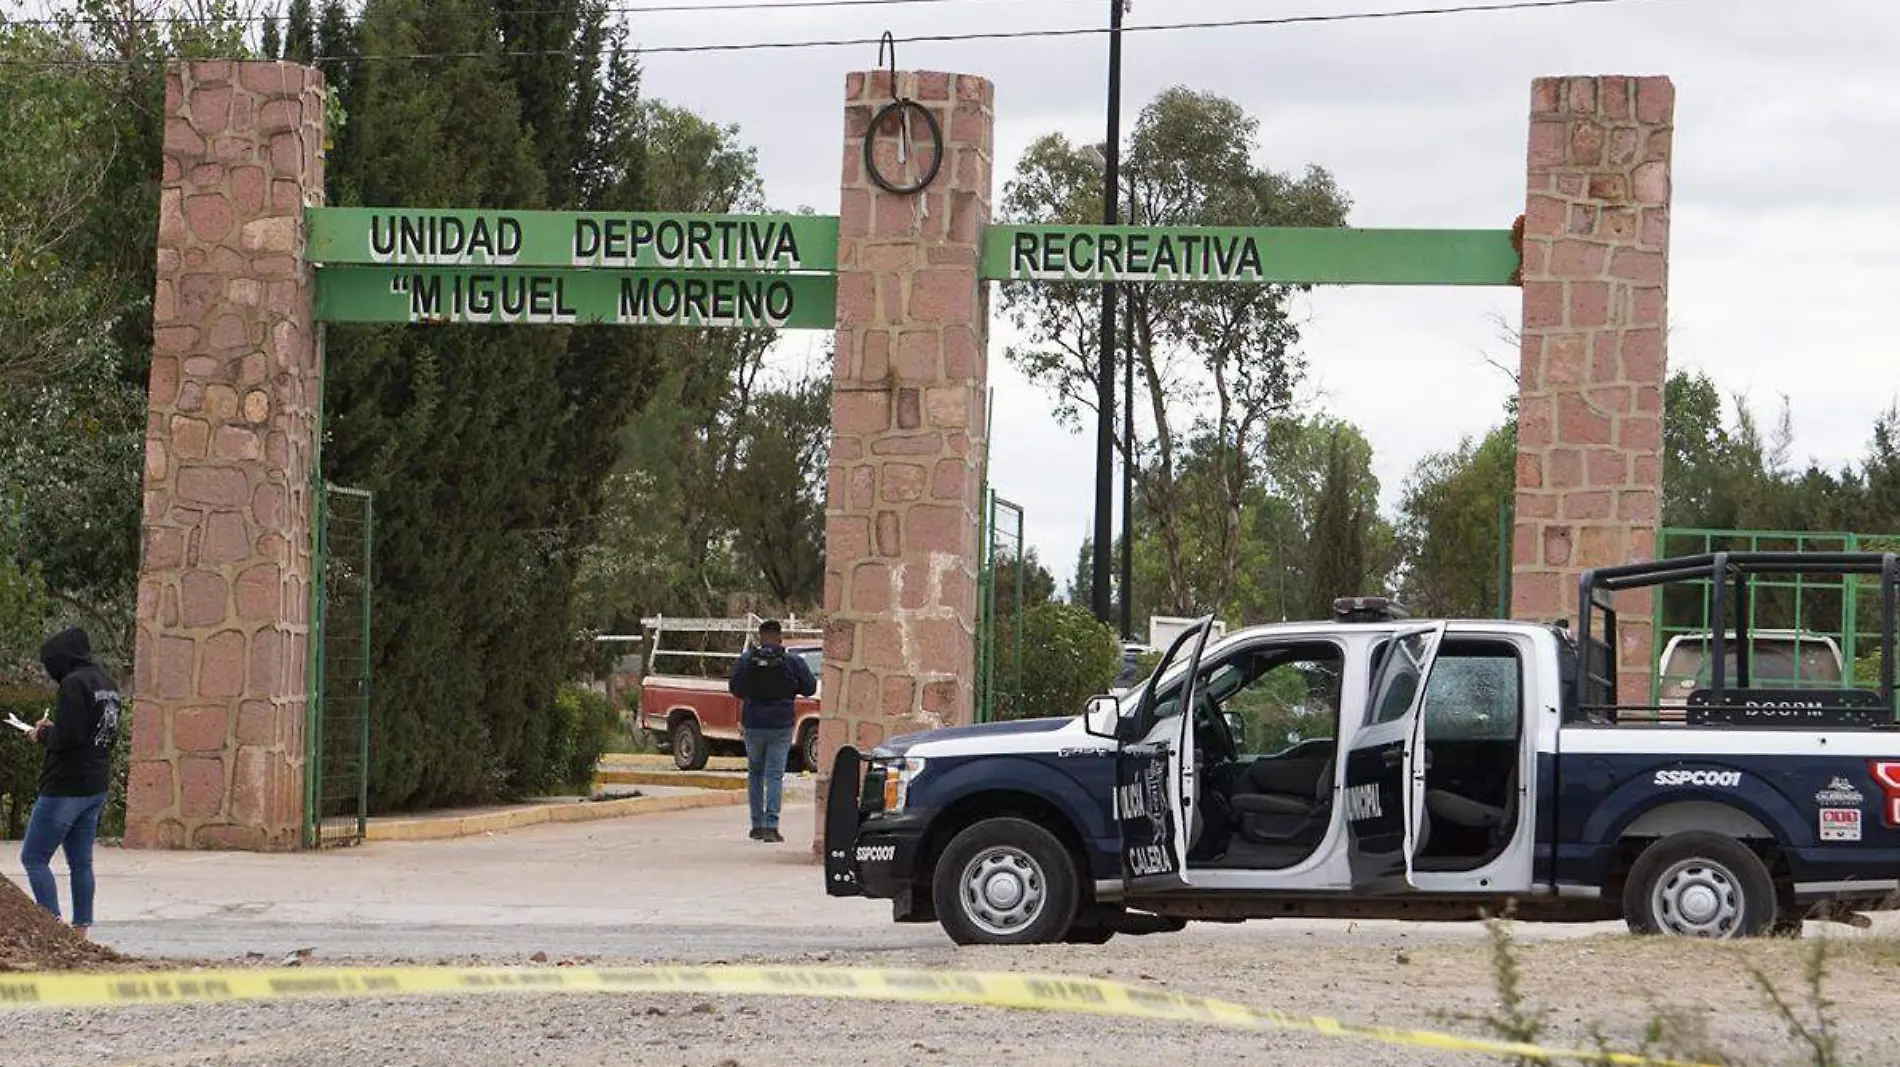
(1018, 35)
(953, 38)
(633, 9)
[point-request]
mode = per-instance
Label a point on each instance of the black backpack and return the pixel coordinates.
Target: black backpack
(768, 675)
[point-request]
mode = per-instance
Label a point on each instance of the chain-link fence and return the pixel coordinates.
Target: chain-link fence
(336, 736)
(1000, 592)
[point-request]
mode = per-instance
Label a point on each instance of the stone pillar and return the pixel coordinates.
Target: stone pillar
(908, 428)
(1596, 262)
(223, 604)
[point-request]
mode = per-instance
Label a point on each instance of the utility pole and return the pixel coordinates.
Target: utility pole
(1105, 373)
(1128, 469)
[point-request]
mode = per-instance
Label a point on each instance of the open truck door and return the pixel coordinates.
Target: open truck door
(1383, 804)
(1154, 770)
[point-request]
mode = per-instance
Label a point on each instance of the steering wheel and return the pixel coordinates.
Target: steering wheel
(1206, 712)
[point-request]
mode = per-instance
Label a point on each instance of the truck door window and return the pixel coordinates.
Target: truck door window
(1402, 681)
(1474, 694)
(1278, 694)
(1290, 696)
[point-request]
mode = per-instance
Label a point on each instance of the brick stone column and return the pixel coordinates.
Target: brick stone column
(220, 672)
(907, 423)
(1596, 262)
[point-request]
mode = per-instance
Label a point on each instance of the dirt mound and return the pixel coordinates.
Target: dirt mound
(31, 940)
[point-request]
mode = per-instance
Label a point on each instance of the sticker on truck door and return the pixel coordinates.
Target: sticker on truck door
(1145, 799)
(1840, 824)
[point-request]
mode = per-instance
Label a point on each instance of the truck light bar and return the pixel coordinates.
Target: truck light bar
(1368, 609)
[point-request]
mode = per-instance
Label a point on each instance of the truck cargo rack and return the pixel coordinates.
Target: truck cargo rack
(1730, 576)
(748, 625)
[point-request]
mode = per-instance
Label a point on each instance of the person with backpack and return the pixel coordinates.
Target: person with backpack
(78, 742)
(769, 680)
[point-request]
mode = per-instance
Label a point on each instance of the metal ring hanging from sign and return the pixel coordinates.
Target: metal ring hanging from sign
(902, 107)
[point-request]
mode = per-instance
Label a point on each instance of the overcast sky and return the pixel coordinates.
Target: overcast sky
(1785, 267)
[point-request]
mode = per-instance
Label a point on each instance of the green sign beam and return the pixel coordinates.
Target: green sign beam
(576, 297)
(417, 237)
(1308, 256)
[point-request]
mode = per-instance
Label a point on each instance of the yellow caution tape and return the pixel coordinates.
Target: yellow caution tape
(1040, 992)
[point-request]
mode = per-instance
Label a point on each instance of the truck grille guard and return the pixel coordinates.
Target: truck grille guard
(842, 818)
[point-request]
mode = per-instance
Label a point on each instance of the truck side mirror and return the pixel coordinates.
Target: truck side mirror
(1235, 727)
(1102, 717)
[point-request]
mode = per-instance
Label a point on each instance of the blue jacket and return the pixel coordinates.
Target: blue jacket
(773, 714)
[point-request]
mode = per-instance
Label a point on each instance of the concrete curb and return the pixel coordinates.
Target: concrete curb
(426, 829)
(653, 761)
(686, 779)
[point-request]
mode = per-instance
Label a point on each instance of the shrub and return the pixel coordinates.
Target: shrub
(583, 726)
(1866, 670)
(112, 820)
(1068, 657)
(20, 758)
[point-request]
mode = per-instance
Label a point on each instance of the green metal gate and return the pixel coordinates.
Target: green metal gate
(337, 723)
(1843, 609)
(999, 665)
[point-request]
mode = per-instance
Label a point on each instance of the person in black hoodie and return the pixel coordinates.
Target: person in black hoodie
(78, 742)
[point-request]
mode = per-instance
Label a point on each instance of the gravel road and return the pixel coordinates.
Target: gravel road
(689, 887)
(1384, 975)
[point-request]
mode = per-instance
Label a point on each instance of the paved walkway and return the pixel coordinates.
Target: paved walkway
(685, 885)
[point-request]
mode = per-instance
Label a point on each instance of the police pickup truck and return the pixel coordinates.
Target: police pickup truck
(1404, 769)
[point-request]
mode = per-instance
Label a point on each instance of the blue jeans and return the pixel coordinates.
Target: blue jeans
(765, 752)
(69, 823)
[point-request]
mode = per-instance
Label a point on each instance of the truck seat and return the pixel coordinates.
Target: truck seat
(1282, 802)
(1462, 810)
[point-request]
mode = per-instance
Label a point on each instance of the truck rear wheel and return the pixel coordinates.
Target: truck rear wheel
(689, 745)
(1699, 884)
(1004, 881)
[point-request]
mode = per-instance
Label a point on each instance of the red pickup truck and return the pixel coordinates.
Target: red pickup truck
(696, 716)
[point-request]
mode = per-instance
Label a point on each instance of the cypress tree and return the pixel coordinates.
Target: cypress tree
(338, 45)
(450, 427)
(300, 32)
(1336, 543)
(487, 446)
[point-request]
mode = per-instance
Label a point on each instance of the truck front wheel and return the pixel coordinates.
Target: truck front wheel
(1005, 881)
(806, 757)
(1699, 884)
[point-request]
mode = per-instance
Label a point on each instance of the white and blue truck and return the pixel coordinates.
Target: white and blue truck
(1372, 765)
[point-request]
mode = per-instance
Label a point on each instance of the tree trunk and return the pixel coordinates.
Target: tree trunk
(1159, 486)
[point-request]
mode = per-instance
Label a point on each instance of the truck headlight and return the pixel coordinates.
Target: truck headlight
(899, 773)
